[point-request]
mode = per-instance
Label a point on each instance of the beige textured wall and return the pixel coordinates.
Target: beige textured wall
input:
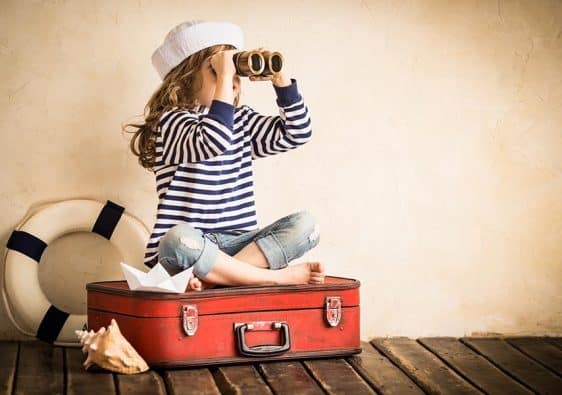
(435, 171)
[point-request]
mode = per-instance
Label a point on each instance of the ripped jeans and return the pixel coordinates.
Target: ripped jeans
(284, 240)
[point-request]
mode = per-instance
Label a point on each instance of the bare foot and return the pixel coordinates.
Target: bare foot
(317, 273)
(195, 284)
(303, 273)
(207, 285)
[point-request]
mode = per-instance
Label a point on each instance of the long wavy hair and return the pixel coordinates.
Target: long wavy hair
(178, 89)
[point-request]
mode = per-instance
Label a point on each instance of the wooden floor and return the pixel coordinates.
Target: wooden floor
(437, 365)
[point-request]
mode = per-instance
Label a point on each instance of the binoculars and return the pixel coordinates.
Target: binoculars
(259, 63)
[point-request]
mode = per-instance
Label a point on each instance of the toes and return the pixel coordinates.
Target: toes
(317, 267)
(316, 281)
(317, 273)
(195, 284)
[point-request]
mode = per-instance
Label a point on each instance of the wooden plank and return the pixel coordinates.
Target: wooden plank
(428, 371)
(240, 379)
(516, 364)
(382, 374)
(80, 381)
(336, 376)
(289, 377)
(8, 361)
(40, 369)
(540, 350)
(557, 341)
(141, 383)
(190, 381)
(472, 366)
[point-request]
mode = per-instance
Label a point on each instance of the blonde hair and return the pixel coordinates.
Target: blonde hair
(178, 89)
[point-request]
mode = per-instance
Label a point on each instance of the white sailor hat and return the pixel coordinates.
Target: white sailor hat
(189, 37)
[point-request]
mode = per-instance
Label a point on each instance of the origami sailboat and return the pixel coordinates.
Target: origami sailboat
(156, 280)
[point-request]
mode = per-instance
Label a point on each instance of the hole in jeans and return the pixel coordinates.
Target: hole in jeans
(190, 243)
(315, 233)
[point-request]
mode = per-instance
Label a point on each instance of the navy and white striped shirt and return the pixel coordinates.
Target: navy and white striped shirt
(203, 165)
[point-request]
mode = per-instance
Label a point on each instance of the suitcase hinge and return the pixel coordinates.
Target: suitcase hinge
(190, 319)
(333, 310)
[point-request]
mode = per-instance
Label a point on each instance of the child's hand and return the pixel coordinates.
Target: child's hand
(223, 64)
(278, 79)
(260, 78)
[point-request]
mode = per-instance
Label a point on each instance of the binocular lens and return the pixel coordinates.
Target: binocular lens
(276, 63)
(257, 62)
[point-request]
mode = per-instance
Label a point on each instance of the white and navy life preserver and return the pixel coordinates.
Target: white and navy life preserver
(28, 307)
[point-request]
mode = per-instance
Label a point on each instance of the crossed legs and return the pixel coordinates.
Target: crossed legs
(263, 261)
(250, 267)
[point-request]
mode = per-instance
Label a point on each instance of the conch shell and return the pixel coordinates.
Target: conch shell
(110, 350)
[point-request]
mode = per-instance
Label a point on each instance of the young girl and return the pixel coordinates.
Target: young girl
(200, 145)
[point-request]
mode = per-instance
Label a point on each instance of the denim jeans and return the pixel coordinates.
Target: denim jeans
(284, 240)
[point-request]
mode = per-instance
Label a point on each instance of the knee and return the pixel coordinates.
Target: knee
(182, 237)
(306, 226)
(181, 231)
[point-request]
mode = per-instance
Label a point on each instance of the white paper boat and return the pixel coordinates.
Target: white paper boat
(156, 280)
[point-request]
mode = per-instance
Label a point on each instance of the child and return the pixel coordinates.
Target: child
(200, 145)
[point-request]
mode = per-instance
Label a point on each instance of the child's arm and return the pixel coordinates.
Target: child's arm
(191, 137)
(272, 135)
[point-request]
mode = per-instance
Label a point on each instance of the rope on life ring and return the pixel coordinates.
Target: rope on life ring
(27, 306)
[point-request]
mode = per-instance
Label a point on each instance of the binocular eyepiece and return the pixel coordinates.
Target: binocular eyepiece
(259, 63)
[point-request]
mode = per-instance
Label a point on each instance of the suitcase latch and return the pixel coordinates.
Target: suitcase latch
(190, 319)
(333, 310)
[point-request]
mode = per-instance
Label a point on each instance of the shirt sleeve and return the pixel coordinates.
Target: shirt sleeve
(187, 136)
(271, 135)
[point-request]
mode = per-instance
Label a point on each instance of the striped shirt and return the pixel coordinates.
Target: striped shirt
(204, 161)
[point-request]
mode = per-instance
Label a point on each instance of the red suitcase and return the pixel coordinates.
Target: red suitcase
(232, 324)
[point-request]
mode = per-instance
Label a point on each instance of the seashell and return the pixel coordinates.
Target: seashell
(110, 350)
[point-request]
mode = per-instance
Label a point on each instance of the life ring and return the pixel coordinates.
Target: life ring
(27, 306)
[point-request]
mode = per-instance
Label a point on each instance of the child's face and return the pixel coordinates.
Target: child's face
(209, 82)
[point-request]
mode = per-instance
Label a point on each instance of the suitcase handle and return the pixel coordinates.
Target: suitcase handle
(263, 350)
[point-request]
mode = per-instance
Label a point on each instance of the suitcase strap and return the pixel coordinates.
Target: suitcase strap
(262, 350)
